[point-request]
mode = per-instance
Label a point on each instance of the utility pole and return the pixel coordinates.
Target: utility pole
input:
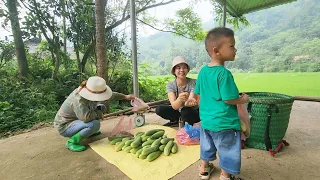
(134, 47)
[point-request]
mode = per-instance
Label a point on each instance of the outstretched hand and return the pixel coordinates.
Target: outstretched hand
(129, 97)
(191, 102)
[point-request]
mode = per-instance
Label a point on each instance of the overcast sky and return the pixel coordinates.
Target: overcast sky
(203, 9)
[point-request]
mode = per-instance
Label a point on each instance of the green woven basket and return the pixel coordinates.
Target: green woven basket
(262, 103)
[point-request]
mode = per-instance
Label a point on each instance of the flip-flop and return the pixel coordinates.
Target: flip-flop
(232, 177)
(207, 172)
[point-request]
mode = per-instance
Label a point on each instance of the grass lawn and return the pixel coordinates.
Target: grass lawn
(295, 84)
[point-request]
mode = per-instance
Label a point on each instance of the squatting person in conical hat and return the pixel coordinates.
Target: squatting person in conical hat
(179, 91)
(79, 115)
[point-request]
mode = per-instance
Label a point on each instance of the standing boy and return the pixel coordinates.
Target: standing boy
(219, 95)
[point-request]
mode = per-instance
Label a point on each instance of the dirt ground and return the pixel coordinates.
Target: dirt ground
(40, 154)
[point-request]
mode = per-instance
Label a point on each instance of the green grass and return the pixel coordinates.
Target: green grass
(295, 84)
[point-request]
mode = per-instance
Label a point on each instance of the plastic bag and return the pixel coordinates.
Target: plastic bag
(123, 127)
(139, 105)
(244, 120)
(193, 131)
(188, 135)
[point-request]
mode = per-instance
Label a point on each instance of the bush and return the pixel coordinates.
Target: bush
(151, 89)
(23, 105)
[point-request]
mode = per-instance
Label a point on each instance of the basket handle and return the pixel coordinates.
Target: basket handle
(267, 140)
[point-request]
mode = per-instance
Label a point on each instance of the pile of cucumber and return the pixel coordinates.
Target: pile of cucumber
(146, 145)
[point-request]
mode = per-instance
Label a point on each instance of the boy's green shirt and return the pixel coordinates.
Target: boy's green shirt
(215, 85)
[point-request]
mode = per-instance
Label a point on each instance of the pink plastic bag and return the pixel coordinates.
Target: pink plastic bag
(123, 127)
(183, 138)
(244, 120)
(139, 105)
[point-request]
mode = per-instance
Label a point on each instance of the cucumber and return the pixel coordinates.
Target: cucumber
(156, 143)
(138, 152)
(174, 148)
(118, 143)
(147, 143)
(137, 142)
(128, 143)
(113, 142)
(161, 148)
(151, 132)
(167, 149)
(119, 146)
(110, 138)
(127, 149)
(135, 150)
(154, 155)
(166, 140)
(149, 150)
(146, 146)
(139, 133)
(124, 146)
(164, 136)
(157, 135)
(142, 156)
(144, 138)
(126, 139)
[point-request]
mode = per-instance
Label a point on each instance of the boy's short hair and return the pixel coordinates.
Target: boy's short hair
(214, 35)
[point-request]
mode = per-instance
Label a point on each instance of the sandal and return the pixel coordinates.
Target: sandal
(206, 172)
(232, 177)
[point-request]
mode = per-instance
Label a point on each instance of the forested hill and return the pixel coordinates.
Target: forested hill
(279, 39)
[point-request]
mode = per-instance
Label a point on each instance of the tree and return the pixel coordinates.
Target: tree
(102, 70)
(17, 36)
(81, 32)
(42, 17)
(235, 21)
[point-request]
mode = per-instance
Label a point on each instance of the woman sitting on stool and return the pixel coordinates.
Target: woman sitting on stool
(179, 92)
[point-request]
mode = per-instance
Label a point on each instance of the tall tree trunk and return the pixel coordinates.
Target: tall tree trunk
(63, 4)
(56, 50)
(87, 55)
(100, 40)
(78, 56)
(56, 67)
(17, 36)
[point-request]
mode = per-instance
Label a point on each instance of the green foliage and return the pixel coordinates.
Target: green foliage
(279, 39)
(236, 22)
(23, 105)
(7, 52)
(36, 99)
(121, 82)
(188, 24)
(151, 89)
